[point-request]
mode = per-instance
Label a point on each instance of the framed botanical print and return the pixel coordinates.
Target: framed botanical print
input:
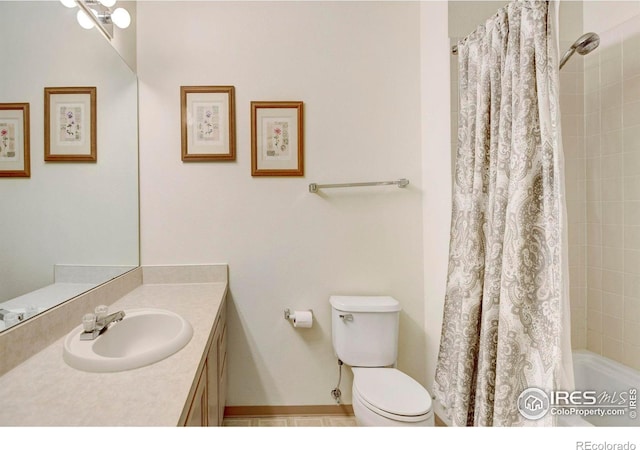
(14, 140)
(208, 125)
(277, 138)
(70, 124)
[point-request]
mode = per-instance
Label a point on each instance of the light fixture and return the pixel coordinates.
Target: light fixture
(121, 18)
(84, 20)
(98, 13)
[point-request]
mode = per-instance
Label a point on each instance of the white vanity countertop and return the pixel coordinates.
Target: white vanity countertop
(45, 391)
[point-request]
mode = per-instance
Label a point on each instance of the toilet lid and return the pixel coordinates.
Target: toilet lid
(391, 391)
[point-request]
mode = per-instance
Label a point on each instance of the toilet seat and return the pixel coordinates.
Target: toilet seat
(391, 393)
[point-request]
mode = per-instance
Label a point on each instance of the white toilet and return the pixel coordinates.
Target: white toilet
(365, 337)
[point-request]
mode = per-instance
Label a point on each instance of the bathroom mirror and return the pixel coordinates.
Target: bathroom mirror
(71, 225)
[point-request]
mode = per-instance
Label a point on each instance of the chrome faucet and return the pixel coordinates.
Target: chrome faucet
(103, 323)
(101, 326)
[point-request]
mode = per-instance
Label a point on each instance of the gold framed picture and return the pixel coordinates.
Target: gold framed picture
(277, 138)
(14, 140)
(208, 123)
(70, 124)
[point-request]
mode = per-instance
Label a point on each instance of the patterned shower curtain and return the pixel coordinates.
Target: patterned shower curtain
(506, 322)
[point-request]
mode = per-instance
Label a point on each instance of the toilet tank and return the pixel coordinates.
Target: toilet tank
(364, 330)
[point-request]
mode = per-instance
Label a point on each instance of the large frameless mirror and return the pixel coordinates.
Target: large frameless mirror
(71, 224)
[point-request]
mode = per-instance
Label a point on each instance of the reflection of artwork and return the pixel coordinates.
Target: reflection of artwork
(207, 116)
(14, 140)
(70, 120)
(8, 141)
(277, 139)
(70, 132)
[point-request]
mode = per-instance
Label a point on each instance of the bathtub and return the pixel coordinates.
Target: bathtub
(592, 373)
(597, 373)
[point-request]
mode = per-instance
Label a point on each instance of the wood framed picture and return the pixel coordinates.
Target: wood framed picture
(14, 140)
(208, 123)
(277, 139)
(70, 124)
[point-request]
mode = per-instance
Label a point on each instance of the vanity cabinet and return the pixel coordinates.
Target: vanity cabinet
(198, 412)
(187, 388)
(206, 406)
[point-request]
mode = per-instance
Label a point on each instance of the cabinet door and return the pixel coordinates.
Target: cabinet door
(212, 360)
(216, 360)
(212, 400)
(198, 413)
(222, 373)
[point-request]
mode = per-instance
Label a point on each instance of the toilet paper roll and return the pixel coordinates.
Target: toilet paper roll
(302, 319)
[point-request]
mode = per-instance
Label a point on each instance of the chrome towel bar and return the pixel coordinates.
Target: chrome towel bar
(401, 183)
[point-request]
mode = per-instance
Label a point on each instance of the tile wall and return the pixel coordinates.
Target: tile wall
(573, 140)
(612, 194)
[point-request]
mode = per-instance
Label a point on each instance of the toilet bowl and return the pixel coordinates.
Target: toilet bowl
(386, 397)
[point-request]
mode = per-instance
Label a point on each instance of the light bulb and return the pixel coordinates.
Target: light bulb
(121, 18)
(108, 3)
(84, 20)
(69, 3)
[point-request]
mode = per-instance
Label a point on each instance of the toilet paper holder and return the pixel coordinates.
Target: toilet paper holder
(291, 316)
(288, 314)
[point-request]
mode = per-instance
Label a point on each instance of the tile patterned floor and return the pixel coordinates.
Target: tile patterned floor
(302, 421)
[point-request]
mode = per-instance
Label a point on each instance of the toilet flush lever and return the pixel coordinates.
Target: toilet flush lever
(346, 317)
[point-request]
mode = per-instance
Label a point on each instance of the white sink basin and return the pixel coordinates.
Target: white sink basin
(143, 337)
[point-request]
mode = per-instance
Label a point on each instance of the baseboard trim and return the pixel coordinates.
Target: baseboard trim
(299, 410)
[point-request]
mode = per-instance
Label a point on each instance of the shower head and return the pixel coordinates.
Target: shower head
(586, 43)
(583, 45)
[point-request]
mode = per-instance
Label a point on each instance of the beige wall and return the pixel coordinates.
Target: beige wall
(285, 247)
(356, 66)
(436, 170)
